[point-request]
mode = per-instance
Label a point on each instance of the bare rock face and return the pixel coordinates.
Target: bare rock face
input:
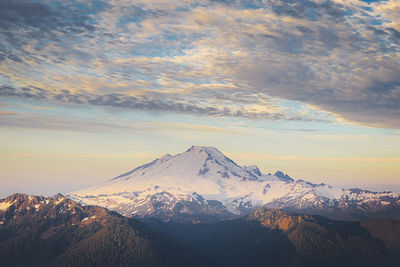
(322, 240)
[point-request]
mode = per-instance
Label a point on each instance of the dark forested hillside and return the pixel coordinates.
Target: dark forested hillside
(279, 238)
(39, 231)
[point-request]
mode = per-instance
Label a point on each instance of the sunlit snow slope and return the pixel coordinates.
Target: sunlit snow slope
(202, 184)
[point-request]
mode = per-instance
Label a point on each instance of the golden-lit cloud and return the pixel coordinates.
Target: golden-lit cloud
(43, 108)
(338, 56)
(266, 157)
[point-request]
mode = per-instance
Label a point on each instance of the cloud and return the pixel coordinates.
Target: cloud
(208, 58)
(28, 27)
(43, 108)
(268, 157)
(122, 101)
(90, 124)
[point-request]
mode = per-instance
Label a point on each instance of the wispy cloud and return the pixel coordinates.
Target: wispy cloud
(161, 104)
(261, 156)
(43, 108)
(96, 124)
(138, 155)
(209, 58)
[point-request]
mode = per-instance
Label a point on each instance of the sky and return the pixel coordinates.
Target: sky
(92, 89)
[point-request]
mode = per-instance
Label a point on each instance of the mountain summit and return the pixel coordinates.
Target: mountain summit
(202, 184)
(196, 162)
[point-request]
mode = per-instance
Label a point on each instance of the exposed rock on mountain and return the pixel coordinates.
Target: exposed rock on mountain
(203, 185)
(279, 238)
(41, 231)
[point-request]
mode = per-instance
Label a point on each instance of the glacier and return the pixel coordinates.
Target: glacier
(202, 184)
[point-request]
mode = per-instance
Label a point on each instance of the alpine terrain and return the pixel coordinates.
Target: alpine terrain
(56, 231)
(279, 238)
(203, 185)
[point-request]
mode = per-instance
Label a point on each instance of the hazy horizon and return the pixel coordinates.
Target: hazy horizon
(55, 189)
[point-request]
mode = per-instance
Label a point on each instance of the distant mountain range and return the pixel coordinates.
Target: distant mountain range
(56, 231)
(199, 208)
(203, 185)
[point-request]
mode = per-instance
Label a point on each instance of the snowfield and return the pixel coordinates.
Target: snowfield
(202, 179)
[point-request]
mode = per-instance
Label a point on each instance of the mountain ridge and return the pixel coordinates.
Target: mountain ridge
(57, 231)
(270, 237)
(203, 181)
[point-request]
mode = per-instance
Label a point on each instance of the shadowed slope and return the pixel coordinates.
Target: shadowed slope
(39, 231)
(279, 238)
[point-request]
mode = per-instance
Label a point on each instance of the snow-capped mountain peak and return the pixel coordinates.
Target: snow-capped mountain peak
(203, 161)
(203, 181)
(253, 169)
(283, 177)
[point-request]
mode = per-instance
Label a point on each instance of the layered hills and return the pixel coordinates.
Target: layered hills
(56, 231)
(200, 208)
